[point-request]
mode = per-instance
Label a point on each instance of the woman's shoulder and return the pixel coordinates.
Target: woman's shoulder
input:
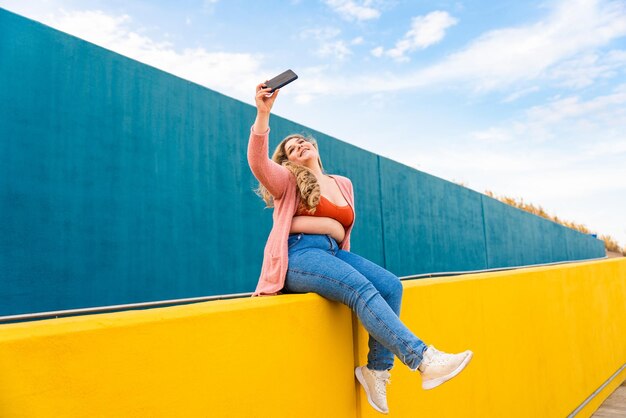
(342, 179)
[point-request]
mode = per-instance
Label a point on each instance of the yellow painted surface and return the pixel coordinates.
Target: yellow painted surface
(543, 339)
(261, 357)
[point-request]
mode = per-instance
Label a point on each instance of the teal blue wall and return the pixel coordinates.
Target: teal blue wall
(431, 225)
(121, 183)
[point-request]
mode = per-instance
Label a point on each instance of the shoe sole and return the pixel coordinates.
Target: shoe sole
(361, 379)
(430, 384)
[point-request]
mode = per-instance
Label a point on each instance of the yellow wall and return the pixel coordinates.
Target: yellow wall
(543, 339)
(237, 358)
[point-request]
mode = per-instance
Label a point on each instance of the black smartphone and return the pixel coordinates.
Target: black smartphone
(281, 80)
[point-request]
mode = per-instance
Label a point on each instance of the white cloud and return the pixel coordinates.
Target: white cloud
(517, 58)
(520, 93)
(357, 41)
(585, 69)
(229, 73)
(493, 134)
(351, 10)
(425, 31)
(501, 58)
(378, 51)
(303, 98)
(581, 121)
(575, 118)
(329, 45)
(305, 95)
(338, 49)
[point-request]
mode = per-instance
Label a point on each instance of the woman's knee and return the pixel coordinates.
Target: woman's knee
(393, 286)
(360, 289)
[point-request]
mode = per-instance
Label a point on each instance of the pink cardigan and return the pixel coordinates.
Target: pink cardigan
(281, 184)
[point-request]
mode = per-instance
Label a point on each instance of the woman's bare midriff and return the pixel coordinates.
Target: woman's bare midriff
(317, 225)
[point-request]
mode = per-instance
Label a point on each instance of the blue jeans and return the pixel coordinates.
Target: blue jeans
(316, 264)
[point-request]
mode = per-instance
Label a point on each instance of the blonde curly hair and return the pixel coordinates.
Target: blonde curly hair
(308, 186)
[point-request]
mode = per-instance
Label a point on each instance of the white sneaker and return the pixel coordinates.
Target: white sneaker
(374, 382)
(438, 367)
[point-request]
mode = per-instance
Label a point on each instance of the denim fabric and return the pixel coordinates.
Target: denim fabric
(316, 264)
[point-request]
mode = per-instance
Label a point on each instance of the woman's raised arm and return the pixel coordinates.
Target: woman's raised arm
(273, 176)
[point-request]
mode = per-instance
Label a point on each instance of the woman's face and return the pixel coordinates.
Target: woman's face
(300, 151)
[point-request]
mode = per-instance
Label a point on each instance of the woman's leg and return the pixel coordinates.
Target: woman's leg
(314, 267)
(379, 357)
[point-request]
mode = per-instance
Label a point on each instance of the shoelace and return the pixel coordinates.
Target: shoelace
(382, 377)
(438, 357)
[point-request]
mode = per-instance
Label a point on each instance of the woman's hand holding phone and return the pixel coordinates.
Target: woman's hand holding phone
(266, 94)
(264, 102)
(264, 98)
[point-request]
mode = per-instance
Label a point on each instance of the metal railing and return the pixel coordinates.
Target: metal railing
(596, 392)
(163, 303)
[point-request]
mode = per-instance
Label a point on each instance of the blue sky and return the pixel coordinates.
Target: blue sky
(526, 99)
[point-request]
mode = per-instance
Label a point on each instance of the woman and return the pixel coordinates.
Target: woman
(308, 250)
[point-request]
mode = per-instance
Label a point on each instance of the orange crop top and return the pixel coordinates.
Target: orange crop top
(328, 209)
